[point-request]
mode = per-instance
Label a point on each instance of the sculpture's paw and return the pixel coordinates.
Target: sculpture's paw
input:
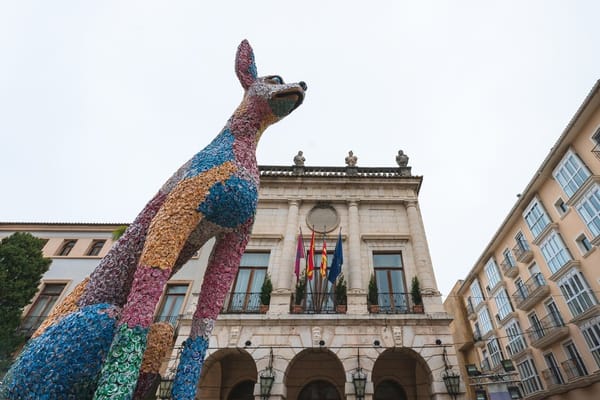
(64, 362)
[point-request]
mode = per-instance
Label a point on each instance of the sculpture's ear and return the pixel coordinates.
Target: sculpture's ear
(245, 68)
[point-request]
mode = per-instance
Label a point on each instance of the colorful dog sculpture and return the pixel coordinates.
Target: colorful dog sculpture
(95, 344)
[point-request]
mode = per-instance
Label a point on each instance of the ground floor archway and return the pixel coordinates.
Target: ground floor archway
(319, 390)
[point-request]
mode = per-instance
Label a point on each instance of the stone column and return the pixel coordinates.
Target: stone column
(420, 250)
(354, 270)
(282, 279)
(357, 299)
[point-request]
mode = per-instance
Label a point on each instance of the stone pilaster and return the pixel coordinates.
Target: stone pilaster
(283, 275)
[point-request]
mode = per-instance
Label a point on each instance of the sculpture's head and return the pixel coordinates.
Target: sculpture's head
(267, 99)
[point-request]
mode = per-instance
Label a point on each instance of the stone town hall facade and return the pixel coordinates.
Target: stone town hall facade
(314, 350)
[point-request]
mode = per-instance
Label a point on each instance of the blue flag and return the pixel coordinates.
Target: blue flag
(338, 260)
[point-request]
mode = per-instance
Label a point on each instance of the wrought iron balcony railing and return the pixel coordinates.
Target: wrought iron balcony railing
(573, 369)
(242, 303)
(553, 377)
(398, 303)
(531, 292)
(547, 331)
(522, 251)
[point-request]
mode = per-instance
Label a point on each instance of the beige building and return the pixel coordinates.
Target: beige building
(316, 350)
(532, 295)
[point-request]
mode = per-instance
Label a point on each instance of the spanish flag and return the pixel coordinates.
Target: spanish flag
(310, 263)
(324, 259)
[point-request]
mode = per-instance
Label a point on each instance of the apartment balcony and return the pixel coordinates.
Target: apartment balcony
(552, 377)
(573, 369)
(470, 310)
(596, 150)
(508, 269)
(532, 292)
(174, 320)
(242, 303)
(523, 252)
(550, 330)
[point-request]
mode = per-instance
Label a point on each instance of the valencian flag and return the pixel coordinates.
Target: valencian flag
(338, 260)
(299, 255)
(310, 263)
(324, 259)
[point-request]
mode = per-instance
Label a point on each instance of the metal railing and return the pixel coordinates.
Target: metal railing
(528, 288)
(397, 303)
(552, 376)
(547, 325)
(242, 303)
(573, 369)
(522, 251)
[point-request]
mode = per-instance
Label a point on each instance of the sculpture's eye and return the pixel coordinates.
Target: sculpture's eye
(275, 79)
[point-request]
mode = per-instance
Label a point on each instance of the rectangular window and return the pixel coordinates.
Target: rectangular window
(245, 297)
(589, 209)
(66, 248)
(516, 340)
(577, 293)
(496, 356)
(476, 294)
(42, 307)
(172, 303)
(555, 252)
(553, 370)
(529, 376)
(391, 286)
(485, 322)
(591, 333)
(96, 247)
(521, 242)
(503, 304)
(509, 259)
(574, 366)
(491, 270)
(561, 207)
(583, 243)
(536, 218)
(571, 173)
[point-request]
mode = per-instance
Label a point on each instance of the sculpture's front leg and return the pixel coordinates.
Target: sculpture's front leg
(220, 273)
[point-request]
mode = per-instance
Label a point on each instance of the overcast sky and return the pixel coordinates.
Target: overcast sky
(100, 101)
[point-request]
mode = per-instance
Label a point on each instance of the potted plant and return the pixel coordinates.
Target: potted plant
(265, 294)
(299, 295)
(341, 295)
(415, 293)
(372, 296)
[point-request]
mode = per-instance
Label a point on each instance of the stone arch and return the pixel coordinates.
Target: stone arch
(312, 365)
(225, 370)
(405, 368)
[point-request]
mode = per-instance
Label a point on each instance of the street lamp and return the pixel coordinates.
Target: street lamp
(267, 378)
(359, 380)
(452, 382)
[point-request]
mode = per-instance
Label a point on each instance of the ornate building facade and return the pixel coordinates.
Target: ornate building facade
(319, 340)
(532, 296)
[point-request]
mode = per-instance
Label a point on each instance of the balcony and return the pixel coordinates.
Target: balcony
(550, 329)
(470, 311)
(242, 303)
(174, 320)
(552, 377)
(397, 303)
(573, 369)
(531, 292)
(523, 252)
(317, 303)
(508, 269)
(596, 150)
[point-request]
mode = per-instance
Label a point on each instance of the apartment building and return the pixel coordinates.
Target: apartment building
(383, 345)
(532, 296)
